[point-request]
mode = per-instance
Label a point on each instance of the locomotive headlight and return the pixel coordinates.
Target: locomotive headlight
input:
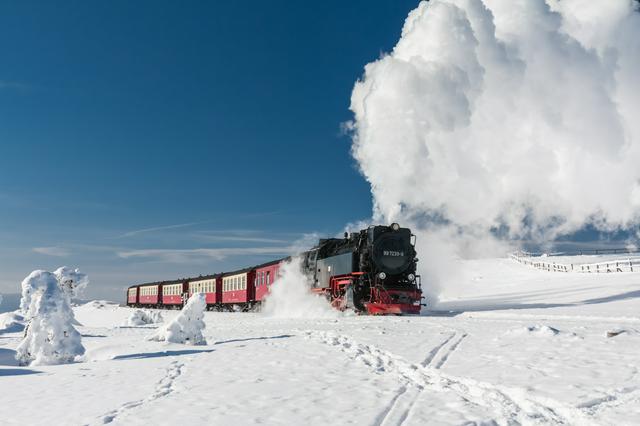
(395, 226)
(382, 275)
(411, 277)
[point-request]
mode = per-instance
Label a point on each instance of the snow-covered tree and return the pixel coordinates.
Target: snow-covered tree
(72, 281)
(188, 325)
(50, 337)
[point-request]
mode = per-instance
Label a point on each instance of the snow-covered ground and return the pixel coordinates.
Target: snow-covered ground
(510, 345)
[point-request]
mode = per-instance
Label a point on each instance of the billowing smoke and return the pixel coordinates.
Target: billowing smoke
(516, 119)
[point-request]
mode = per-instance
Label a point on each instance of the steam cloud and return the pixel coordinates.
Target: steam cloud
(512, 116)
(516, 119)
(289, 296)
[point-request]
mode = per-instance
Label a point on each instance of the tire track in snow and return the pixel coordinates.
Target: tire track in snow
(437, 349)
(163, 388)
(450, 350)
(511, 406)
(402, 405)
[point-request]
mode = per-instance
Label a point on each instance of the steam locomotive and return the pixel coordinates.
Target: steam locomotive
(372, 271)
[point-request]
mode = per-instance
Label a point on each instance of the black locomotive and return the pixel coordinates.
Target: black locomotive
(372, 271)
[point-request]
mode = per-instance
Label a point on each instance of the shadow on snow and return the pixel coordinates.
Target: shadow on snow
(143, 355)
(506, 303)
(17, 372)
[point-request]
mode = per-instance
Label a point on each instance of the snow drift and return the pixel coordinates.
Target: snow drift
(11, 322)
(187, 326)
(50, 336)
(289, 295)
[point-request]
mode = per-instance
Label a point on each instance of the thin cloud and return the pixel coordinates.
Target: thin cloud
(52, 251)
(190, 255)
(159, 228)
(240, 239)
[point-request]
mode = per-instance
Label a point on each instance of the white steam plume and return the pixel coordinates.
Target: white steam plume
(506, 113)
(290, 295)
(517, 118)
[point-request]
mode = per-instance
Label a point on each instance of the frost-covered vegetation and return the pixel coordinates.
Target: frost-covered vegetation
(50, 337)
(142, 317)
(187, 327)
(72, 281)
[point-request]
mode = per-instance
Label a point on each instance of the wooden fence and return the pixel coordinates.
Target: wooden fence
(617, 265)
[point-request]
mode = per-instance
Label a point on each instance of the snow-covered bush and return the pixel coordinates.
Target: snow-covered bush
(140, 317)
(50, 337)
(187, 326)
(72, 281)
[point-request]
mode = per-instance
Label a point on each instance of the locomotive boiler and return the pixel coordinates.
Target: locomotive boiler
(373, 271)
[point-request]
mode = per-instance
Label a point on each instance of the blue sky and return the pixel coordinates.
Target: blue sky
(148, 140)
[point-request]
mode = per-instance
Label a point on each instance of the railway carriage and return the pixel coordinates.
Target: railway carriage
(174, 293)
(132, 296)
(150, 294)
(237, 289)
(210, 285)
(264, 277)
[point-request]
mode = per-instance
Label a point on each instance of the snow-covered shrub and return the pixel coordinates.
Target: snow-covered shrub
(187, 326)
(50, 337)
(140, 317)
(72, 281)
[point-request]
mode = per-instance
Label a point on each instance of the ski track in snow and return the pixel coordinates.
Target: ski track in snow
(511, 406)
(432, 354)
(163, 388)
(402, 404)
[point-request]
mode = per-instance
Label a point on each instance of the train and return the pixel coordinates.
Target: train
(372, 271)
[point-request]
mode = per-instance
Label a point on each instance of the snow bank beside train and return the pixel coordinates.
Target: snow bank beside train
(289, 296)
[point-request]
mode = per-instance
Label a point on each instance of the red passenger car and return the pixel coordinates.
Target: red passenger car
(237, 289)
(265, 275)
(149, 294)
(174, 293)
(210, 285)
(132, 296)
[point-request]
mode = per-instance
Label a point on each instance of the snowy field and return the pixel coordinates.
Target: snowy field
(510, 345)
